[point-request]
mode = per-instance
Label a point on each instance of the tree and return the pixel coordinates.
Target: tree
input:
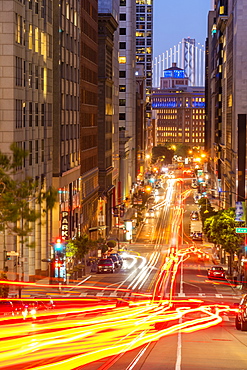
(77, 249)
(19, 196)
(206, 210)
(162, 152)
(220, 229)
(4, 289)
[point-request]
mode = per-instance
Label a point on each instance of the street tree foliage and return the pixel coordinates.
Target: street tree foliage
(206, 210)
(78, 248)
(220, 230)
(162, 152)
(182, 150)
(19, 196)
(4, 288)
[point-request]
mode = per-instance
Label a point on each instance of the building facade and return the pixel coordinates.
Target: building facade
(89, 115)
(127, 97)
(227, 99)
(108, 136)
(66, 123)
(179, 110)
(26, 90)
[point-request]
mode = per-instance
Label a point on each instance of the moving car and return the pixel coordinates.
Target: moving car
(194, 216)
(105, 265)
(150, 212)
(118, 257)
(6, 308)
(203, 257)
(216, 272)
(241, 315)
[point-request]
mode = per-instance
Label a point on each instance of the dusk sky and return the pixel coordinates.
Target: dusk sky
(178, 19)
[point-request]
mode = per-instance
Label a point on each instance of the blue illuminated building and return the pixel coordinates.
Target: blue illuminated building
(179, 110)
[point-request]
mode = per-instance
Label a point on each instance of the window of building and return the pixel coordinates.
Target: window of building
(42, 9)
(49, 11)
(122, 3)
(122, 45)
(18, 71)
(42, 150)
(42, 79)
(30, 37)
(30, 75)
(30, 5)
(18, 114)
(122, 31)
(122, 116)
(30, 153)
(36, 151)
(24, 114)
(122, 88)
(30, 114)
(36, 114)
(122, 102)
(36, 7)
(122, 74)
(18, 29)
(36, 44)
(122, 17)
(36, 77)
(122, 60)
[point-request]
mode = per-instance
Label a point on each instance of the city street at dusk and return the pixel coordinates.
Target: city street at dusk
(123, 185)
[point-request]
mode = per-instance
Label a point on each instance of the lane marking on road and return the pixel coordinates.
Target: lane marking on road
(179, 349)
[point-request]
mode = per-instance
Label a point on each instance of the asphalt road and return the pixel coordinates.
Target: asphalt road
(219, 347)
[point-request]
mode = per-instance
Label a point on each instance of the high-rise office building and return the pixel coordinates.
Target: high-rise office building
(89, 114)
(108, 133)
(66, 124)
(127, 96)
(26, 106)
(227, 100)
(179, 110)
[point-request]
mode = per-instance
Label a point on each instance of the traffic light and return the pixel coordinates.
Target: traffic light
(59, 248)
(58, 244)
(58, 264)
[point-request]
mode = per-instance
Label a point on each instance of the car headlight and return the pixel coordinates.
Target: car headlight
(33, 311)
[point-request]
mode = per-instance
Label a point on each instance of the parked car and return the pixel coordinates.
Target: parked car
(216, 272)
(105, 265)
(197, 236)
(241, 315)
(194, 216)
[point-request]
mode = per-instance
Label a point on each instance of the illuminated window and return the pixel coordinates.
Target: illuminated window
(30, 37)
(67, 11)
(122, 60)
(36, 40)
(222, 9)
(18, 33)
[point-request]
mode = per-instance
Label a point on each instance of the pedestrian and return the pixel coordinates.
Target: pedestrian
(235, 277)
